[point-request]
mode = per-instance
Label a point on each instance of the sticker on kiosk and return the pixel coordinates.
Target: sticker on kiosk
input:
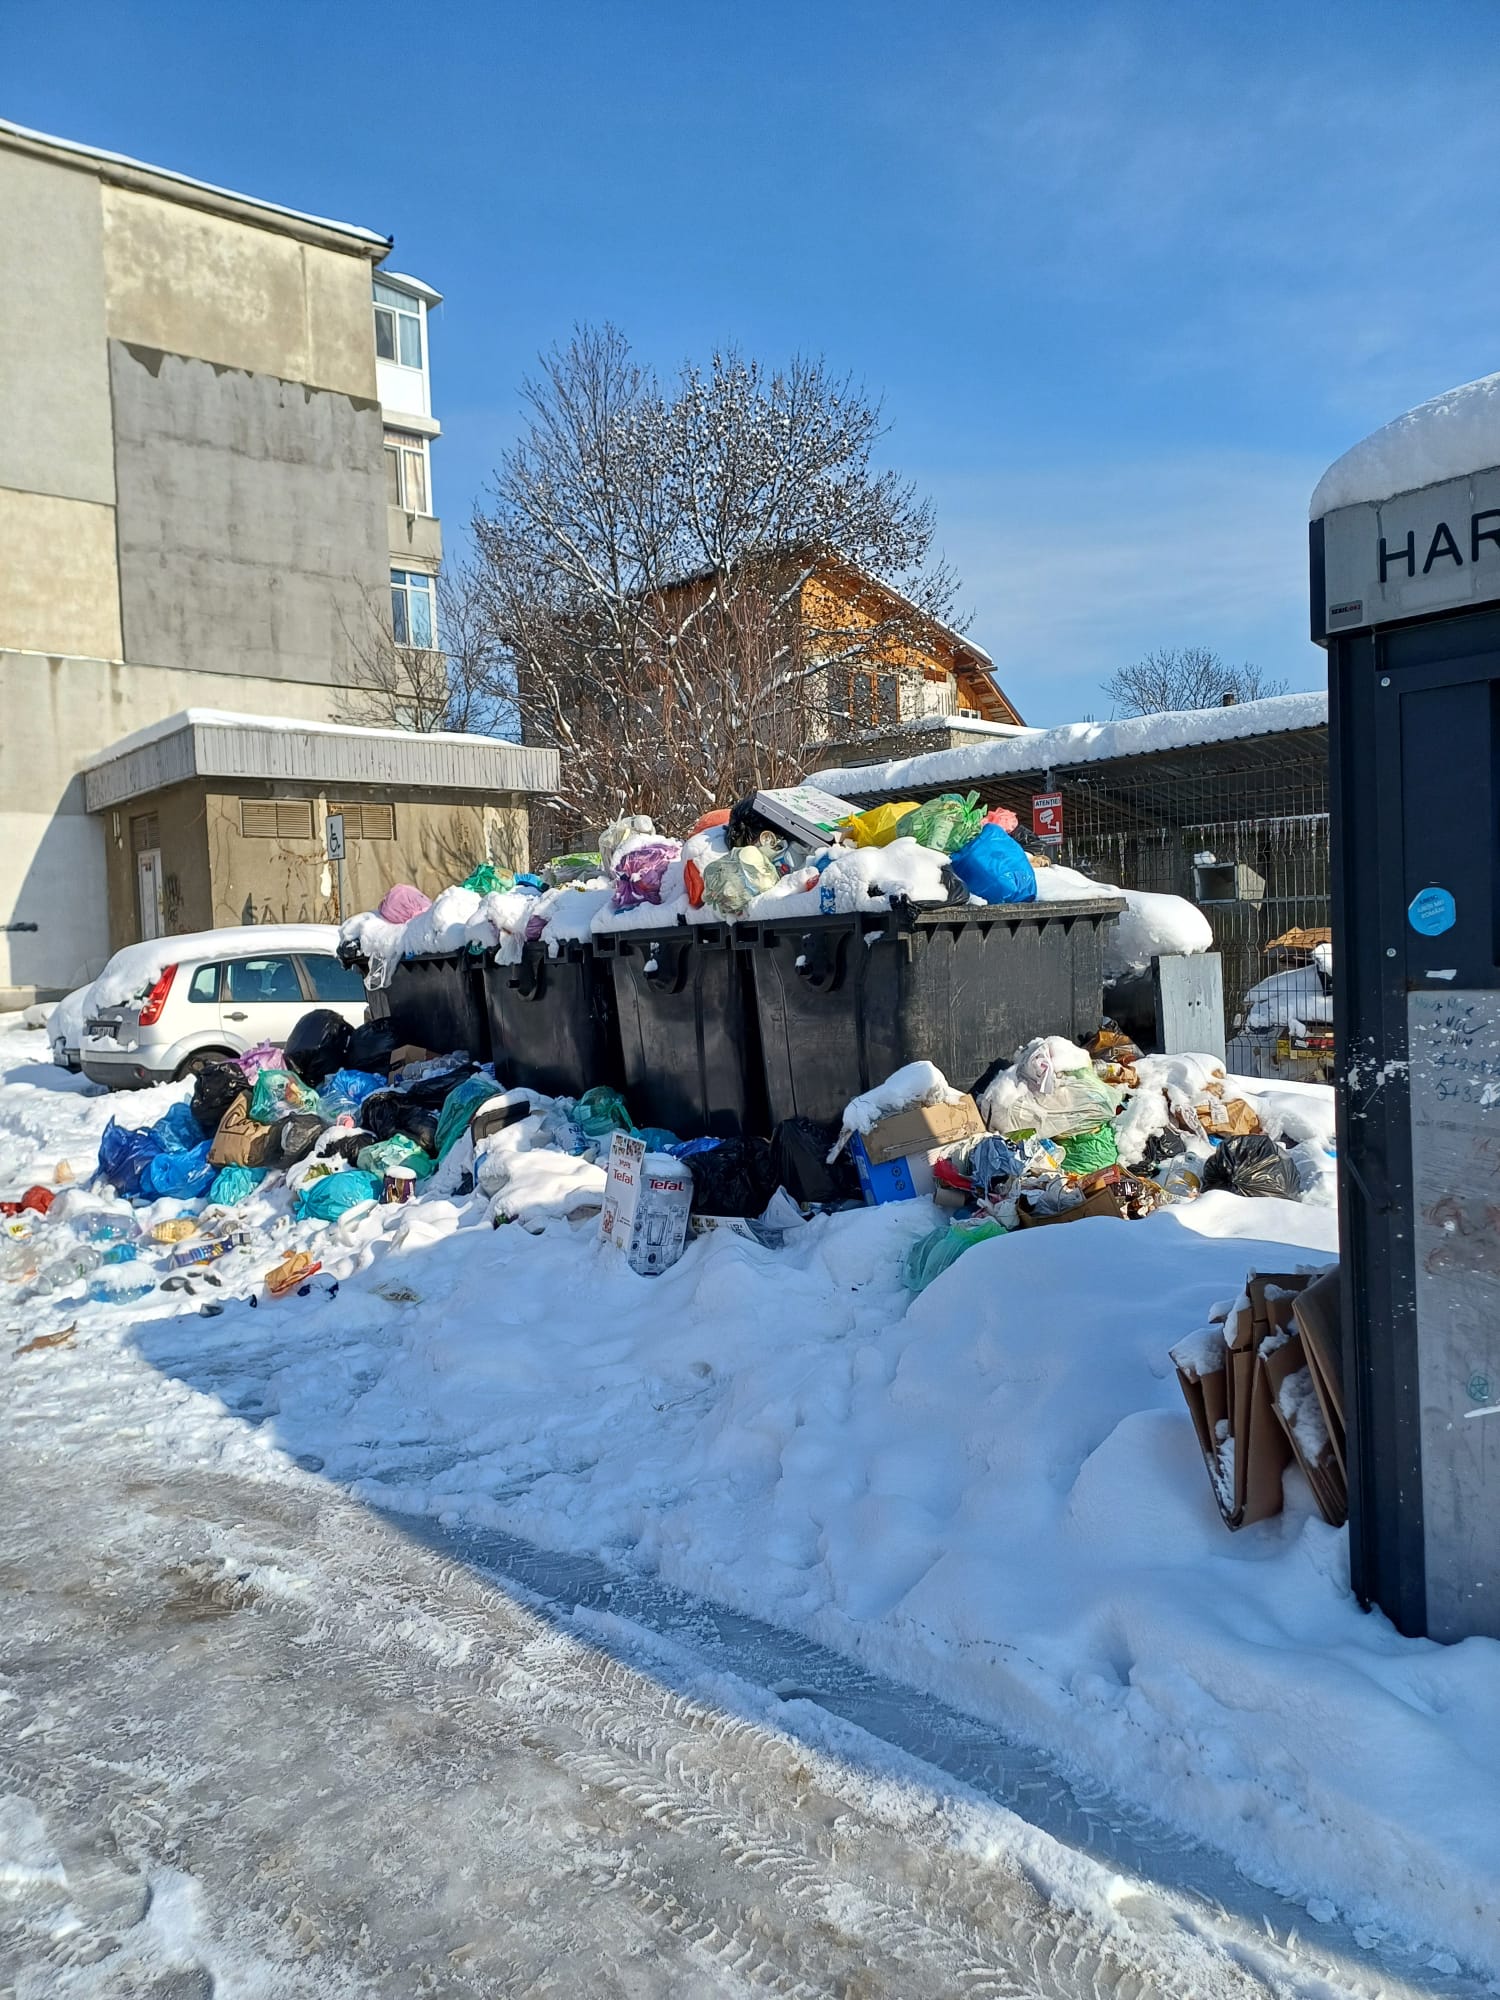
(1046, 817)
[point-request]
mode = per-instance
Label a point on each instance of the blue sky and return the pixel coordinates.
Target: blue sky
(1127, 278)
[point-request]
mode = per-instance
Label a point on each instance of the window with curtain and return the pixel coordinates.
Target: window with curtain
(398, 326)
(406, 471)
(412, 621)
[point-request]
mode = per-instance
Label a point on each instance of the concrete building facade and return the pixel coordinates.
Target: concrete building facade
(215, 493)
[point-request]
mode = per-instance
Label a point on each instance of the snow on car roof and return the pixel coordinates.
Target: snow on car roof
(138, 966)
(1447, 437)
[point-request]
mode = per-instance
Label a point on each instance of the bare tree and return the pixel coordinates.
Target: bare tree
(462, 683)
(646, 557)
(1185, 677)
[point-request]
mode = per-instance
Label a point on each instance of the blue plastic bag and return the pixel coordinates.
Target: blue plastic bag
(178, 1130)
(458, 1110)
(326, 1199)
(124, 1156)
(233, 1184)
(347, 1089)
(994, 868)
(183, 1175)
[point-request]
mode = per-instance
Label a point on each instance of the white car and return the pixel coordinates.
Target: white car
(65, 1028)
(165, 1009)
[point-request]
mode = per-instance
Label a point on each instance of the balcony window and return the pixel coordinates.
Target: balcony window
(398, 326)
(406, 471)
(411, 608)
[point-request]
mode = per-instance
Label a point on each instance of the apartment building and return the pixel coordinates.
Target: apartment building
(216, 500)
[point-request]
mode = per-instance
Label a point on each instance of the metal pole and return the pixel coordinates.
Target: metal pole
(341, 891)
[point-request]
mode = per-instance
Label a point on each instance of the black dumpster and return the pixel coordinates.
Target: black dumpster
(689, 1052)
(434, 1003)
(842, 1001)
(553, 1024)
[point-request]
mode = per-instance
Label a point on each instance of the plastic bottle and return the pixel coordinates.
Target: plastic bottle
(121, 1284)
(104, 1228)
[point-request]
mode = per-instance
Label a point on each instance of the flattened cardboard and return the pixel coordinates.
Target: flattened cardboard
(1318, 1321)
(1104, 1201)
(923, 1129)
(1324, 1474)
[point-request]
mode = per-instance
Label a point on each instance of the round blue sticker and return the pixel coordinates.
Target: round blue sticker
(1432, 911)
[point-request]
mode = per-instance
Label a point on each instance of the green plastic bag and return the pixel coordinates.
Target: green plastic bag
(397, 1151)
(1087, 1152)
(277, 1093)
(945, 824)
(931, 1255)
(458, 1110)
(233, 1184)
(488, 881)
(334, 1195)
(601, 1111)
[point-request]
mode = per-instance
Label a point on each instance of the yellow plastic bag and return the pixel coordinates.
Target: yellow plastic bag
(877, 827)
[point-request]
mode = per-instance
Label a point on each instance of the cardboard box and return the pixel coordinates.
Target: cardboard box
(1290, 1384)
(924, 1129)
(622, 1190)
(1319, 1317)
(803, 812)
(1227, 1117)
(899, 1179)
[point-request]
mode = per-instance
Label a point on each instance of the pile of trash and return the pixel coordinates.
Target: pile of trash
(791, 852)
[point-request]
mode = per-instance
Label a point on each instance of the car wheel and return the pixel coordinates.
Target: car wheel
(200, 1060)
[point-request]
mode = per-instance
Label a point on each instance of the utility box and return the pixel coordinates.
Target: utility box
(1405, 574)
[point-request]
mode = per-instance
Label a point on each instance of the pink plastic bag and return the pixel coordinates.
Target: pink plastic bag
(1003, 817)
(639, 871)
(401, 902)
(263, 1056)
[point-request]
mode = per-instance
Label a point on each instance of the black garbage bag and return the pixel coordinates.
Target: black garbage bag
(958, 892)
(799, 1161)
(294, 1138)
(749, 828)
(218, 1085)
(1167, 1144)
(371, 1048)
(1252, 1165)
(388, 1112)
(347, 1146)
(733, 1178)
(318, 1045)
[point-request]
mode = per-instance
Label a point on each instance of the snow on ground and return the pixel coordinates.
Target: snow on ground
(993, 1493)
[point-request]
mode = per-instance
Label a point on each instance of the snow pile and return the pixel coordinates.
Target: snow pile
(65, 1022)
(136, 968)
(860, 878)
(919, 1083)
(454, 920)
(1290, 1000)
(1447, 437)
(995, 1493)
(1150, 925)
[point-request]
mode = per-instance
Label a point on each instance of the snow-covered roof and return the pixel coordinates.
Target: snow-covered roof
(219, 743)
(121, 168)
(404, 282)
(1448, 437)
(1080, 743)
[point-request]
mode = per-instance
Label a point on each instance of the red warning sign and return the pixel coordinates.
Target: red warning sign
(1046, 816)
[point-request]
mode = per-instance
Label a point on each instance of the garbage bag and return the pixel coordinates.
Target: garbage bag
(877, 827)
(388, 1112)
(994, 868)
(601, 1111)
(563, 868)
(799, 1158)
(178, 1130)
(318, 1045)
(265, 1055)
(657, 1139)
(326, 1199)
(733, 880)
(458, 1110)
(124, 1155)
(734, 1178)
(401, 902)
(183, 1175)
(347, 1089)
(217, 1087)
(618, 832)
(294, 1137)
(931, 1255)
(276, 1093)
(638, 873)
(231, 1185)
(1087, 1152)
(241, 1141)
(1253, 1165)
(345, 1145)
(398, 1151)
(947, 823)
(745, 827)
(371, 1047)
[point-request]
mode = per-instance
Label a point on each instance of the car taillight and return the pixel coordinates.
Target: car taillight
(156, 999)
